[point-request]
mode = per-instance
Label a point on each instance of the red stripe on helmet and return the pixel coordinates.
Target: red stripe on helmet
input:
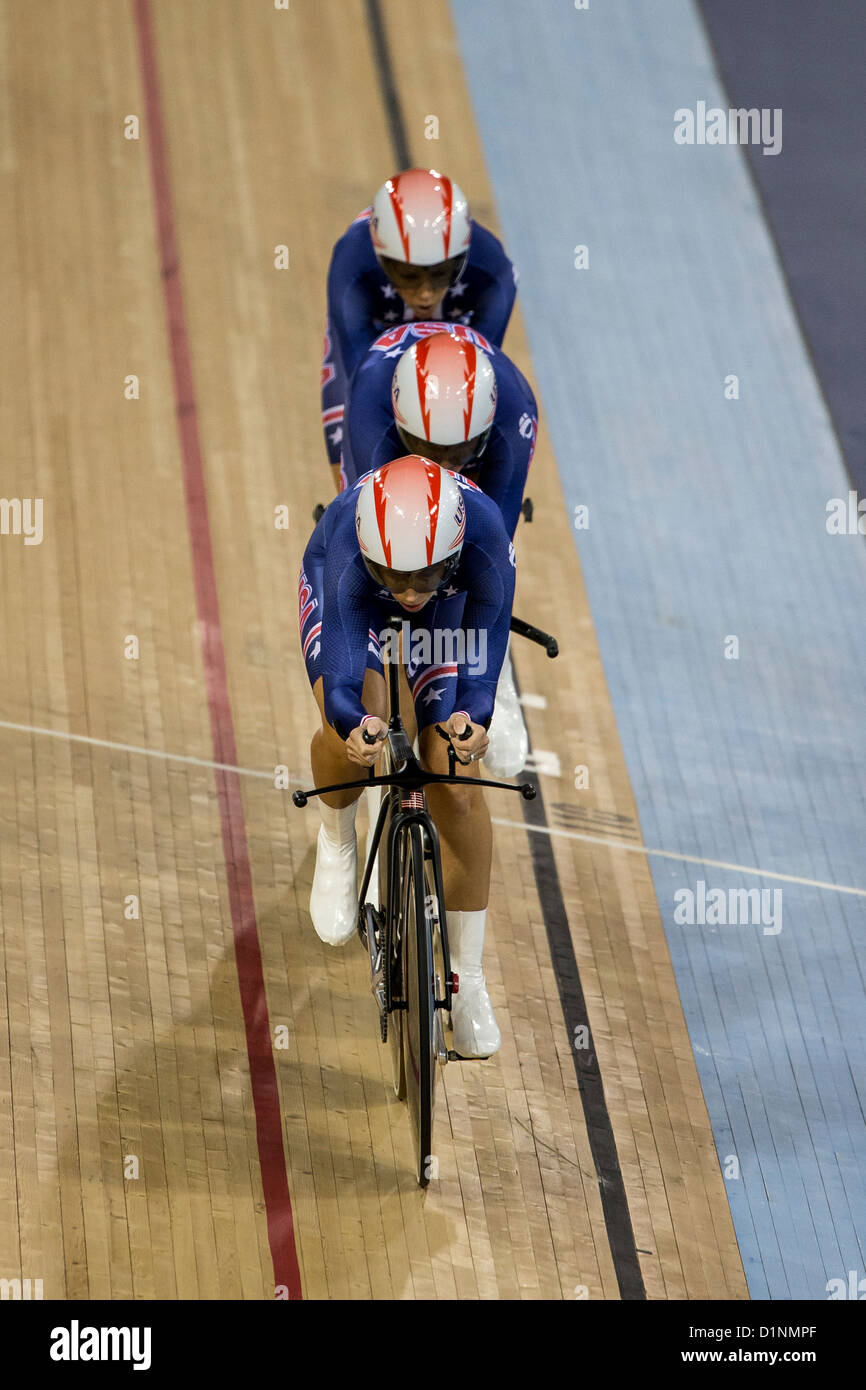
(393, 187)
(380, 501)
(422, 352)
(447, 205)
(471, 357)
(434, 479)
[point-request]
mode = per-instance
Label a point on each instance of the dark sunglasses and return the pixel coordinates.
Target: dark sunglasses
(460, 457)
(413, 277)
(423, 581)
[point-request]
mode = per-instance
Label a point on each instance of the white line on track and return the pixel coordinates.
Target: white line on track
(602, 840)
(673, 854)
(132, 748)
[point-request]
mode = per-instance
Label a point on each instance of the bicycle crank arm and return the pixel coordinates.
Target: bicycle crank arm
(377, 974)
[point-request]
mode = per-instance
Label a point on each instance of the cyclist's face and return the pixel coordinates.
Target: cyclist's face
(411, 600)
(421, 286)
(412, 589)
(462, 458)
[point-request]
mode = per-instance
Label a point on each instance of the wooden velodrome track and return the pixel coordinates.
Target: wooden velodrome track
(141, 1044)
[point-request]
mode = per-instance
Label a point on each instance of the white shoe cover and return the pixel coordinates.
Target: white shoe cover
(509, 741)
(334, 899)
(476, 1033)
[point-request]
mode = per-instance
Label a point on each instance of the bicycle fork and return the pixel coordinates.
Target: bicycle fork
(371, 923)
(431, 906)
(443, 988)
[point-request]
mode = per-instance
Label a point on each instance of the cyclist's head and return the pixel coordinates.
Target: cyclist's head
(420, 228)
(410, 520)
(443, 394)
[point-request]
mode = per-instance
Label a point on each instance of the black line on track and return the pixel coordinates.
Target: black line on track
(617, 1218)
(599, 1129)
(388, 84)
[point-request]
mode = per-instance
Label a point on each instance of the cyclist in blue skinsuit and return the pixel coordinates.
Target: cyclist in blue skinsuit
(414, 254)
(496, 454)
(419, 536)
(445, 392)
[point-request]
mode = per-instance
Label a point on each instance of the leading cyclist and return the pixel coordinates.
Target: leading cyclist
(414, 534)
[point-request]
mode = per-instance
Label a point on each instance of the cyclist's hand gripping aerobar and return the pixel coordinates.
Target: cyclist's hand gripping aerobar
(469, 740)
(364, 744)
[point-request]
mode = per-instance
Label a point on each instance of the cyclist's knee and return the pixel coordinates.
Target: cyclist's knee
(457, 803)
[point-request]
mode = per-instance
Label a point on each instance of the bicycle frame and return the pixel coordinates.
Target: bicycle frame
(408, 811)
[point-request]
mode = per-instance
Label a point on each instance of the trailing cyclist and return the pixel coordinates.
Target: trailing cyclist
(414, 254)
(418, 536)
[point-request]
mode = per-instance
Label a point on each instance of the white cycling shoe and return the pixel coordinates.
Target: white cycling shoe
(509, 742)
(476, 1033)
(334, 896)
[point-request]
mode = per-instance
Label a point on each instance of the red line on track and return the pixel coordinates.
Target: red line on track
(269, 1130)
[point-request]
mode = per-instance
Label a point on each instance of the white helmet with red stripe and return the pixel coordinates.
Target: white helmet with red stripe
(444, 391)
(410, 519)
(420, 217)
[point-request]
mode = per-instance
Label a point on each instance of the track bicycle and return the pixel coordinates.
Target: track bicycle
(406, 935)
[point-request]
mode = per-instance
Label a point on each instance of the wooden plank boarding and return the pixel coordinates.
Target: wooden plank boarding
(126, 1033)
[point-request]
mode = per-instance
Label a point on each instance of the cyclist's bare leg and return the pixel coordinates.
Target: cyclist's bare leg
(328, 751)
(465, 833)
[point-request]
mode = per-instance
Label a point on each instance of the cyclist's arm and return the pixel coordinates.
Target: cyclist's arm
(373, 437)
(351, 318)
(373, 451)
(503, 476)
(346, 624)
(492, 309)
(493, 301)
(333, 390)
(505, 463)
(486, 624)
(348, 331)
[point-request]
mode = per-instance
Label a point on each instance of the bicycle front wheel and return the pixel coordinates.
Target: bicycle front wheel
(419, 1038)
(391, 896)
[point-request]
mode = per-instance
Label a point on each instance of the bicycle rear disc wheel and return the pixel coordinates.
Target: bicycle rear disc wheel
(418, 1017)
